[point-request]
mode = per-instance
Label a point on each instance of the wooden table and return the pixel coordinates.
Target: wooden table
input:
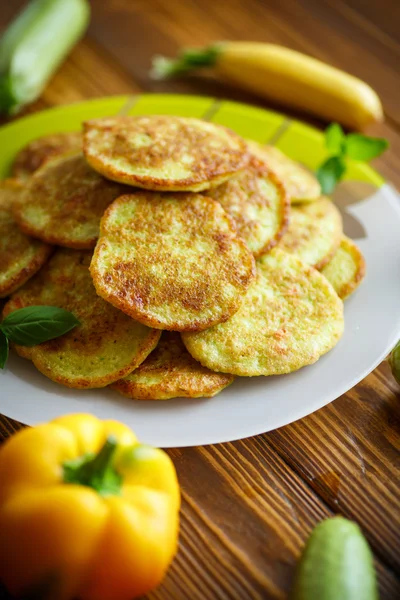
(249, 506)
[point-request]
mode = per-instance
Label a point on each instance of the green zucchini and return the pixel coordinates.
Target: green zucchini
(34, 45)
(336, 564)
(394, 362)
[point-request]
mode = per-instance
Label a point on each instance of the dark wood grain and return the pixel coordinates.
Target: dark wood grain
(354, 462)
(320, 29)
(383, 19)
(249, 506)
(245, 516)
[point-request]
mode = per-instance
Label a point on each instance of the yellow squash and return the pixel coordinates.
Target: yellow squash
(285, 76)
(85, 511)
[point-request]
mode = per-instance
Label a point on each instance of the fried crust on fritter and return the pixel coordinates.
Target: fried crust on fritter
(170, 372)
(290, 317)
(20, 255)
(258, 203)
(64, 202)
(106, 346)
(163, 153)
(346, 269)
(314, 232)
(300, 184)
(171, 261)
(38, 152)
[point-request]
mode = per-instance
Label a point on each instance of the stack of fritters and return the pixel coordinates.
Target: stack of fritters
(225, 245)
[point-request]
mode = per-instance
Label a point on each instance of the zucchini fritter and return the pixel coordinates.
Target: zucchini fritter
(20, 255)
(64, 202)
(314, 232)
(259, 205)
(35, 154)
(290, 317)
(106, 346)
(171, 261)
(300, 184)
(163, 153)
(170, 372)
(346, 269)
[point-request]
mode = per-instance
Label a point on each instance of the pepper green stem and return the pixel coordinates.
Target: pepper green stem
(96, 471)
(187, 60)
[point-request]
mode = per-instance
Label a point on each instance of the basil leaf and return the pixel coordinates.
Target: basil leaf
(330, 172)
(36, 324)
(335, 139)
(362, 147)
(3, 349)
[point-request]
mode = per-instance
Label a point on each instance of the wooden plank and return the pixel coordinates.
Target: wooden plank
(249, 506)
(245, 516)
(128, 33)
(383, 18)
(348, 453)
(325, 27)
(8, 11)
(320, 29)
(328, 30)
(168, 26)
(88, 72)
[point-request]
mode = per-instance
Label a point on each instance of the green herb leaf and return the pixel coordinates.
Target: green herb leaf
(330, 173)
(354, 145)
(3, 349)
(335, 139)
(362, 147)
(36, 324)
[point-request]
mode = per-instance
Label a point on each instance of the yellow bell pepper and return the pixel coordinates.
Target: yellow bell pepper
(85, 511)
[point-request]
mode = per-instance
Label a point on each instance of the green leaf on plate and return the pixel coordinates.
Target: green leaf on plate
(3, 349)
(33, 325)
(364, 148)
(335, 139)
(330, 173)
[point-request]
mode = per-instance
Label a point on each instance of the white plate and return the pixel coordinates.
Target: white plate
(251, 406)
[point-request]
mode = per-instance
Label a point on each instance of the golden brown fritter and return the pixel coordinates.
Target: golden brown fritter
(170, 372)
(163, 153)
(64, 202)
(300, 184)
(106, 346)
(20, 256)
(290, 317)
(258, 203)
(171, 261)
(346, 269)
(314, 233)
(35, 154)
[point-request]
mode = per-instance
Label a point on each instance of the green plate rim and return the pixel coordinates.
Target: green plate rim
(299, 140)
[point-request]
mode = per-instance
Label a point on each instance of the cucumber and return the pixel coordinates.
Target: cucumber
(336, 564)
